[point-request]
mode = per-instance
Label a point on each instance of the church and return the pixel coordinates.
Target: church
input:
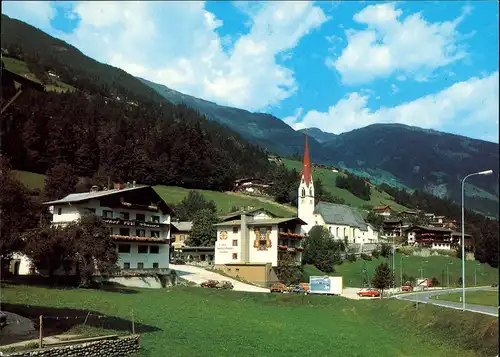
(342, 221)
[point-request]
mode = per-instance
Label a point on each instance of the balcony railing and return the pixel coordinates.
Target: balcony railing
(132, 223)
(118, 237)
(139, 272)
(292, 235)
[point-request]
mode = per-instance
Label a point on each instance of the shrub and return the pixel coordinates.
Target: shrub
(351, 258)
(435, 281)
(365, 256)
(385, 250)
(408, 250)
(375, 254)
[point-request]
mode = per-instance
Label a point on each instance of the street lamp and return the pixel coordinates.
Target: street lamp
(487, 172)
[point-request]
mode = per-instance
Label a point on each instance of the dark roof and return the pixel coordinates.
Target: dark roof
(430, 228)
(393, 220)
(86, 196)
(252, 222)
(334, 213)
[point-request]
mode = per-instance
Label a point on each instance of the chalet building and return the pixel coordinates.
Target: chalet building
(385, 211)
(138, 219)
(406, 214)
(342, 221)
(392, 227)
(437, 238)
(251, 186)
(180, 232)
(251, 244)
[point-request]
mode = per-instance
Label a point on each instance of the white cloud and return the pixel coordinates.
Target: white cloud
(394, 88)
(36, 13)
(411, 46)
(177, 44)
(292, 120)
(464, 105)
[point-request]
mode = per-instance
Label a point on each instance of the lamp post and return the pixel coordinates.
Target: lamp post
(487, 172)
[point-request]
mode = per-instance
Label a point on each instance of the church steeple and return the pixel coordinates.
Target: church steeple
(305, 200)
(306, 165)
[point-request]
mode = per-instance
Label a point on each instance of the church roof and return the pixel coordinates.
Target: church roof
(306, 165)
(333, 213)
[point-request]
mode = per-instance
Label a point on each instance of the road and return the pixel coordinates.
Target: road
(424, 297)
(198, 275)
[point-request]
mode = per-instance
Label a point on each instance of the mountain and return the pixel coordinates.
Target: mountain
(395, 154)
(423, 159)
(318, 134)
(263, 129)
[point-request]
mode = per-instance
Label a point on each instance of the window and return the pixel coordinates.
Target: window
(237, 269)
(107, 214)
(154, 249)
(125, 216)
(235, 242)
(182, 238)
(310, 192)
(235, 230)
(126, 265)
(155, 219)
(330, 229)
(140, 265)
(155, 234)
(155, 265)
(123, 248)
(90, 210)
(140, 217)
(59, 211)
(235, 256)
(124, 231)
(303, 192)
(140, 232)
(142, 249)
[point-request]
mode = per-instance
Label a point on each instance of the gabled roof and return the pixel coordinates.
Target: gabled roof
(86, 196)
(334, 213)
(382, 208)
(247, 212)
(182, 226)
(393, 220)
(259, 222)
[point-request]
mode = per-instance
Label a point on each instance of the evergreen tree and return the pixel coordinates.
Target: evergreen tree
(382, 278)
(60, 181)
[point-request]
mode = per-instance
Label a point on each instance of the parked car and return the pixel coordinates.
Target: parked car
(369, 292)
(209, 284)
(407, 288)
(278, 288)
(224, 285)
(306, 287)
(299, 290)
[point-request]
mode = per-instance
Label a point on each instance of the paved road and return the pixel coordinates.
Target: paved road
(199, 275)
(424, 297)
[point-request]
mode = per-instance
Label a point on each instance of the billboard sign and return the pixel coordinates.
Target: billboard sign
(326, 285)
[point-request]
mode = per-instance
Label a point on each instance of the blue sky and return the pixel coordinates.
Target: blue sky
(335, 66)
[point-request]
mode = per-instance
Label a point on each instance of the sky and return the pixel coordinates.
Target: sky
(337, 66)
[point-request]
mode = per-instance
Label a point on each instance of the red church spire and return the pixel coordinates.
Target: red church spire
(306, 166)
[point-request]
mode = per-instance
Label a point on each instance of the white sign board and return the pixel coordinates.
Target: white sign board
(330, 285)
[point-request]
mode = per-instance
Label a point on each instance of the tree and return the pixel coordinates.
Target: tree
(288, 271)
(193, 203)
(203, 232)
(321, 250)
(375, 220)
(385, 250)
(60, 181)
(435, 281)
(382, 278)
(18, 212)
(94, 249)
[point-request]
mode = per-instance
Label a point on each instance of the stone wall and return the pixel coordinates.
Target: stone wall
(105, 348)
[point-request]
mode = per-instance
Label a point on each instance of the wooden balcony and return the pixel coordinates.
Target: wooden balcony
(132, 223)
(292, 235)
(138, 239)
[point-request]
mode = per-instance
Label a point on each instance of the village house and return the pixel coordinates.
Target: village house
(385, 211)
(137, 217)
(392, 227)
(180, 232)
(342, 221)
(251, 186)
(437, 238)
(251, 244)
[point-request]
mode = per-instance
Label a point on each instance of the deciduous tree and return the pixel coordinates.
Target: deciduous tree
(60, 181)
(203, 232)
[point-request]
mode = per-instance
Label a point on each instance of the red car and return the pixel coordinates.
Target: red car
(368, 293)
(209, 284)
(407, 288)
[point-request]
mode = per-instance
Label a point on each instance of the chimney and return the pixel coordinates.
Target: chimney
(117, 186)
(133, 184)
(244, 239)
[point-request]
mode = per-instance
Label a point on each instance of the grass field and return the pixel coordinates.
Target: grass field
(328, 178)
(20, 67)
(225, 201)
(434, 267)
(30, 179)
(487, 298)
(204, 322)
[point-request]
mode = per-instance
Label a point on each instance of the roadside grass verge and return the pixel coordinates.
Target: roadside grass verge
(483, 297)
(204, 322)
